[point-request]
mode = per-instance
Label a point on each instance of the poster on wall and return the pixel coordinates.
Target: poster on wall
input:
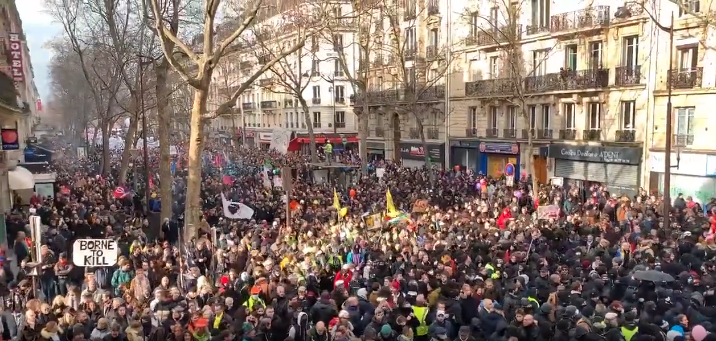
(10, 139)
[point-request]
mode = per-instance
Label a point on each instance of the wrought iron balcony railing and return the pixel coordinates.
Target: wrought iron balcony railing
(686, 78)
(471, 132)
(492, 132)
(592, 135)
(568, 134)
(509, 133)
(628, 135)
(568, 80)
(627, 75)
(490, 87)
(583, 19)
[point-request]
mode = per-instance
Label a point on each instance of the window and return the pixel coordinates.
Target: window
(474, 24)
(285, 122)
(630, 51)
(340, 93)
(338, 43)
(546, 118)
(316, 91)
(410, 39)
(290, 118)
(340, 119)
(493, 17)
(472, 117)
(692, 6)
(594, 119)
(316, 119)
(474, 71)
(434, 37)
(511, 117)
(410, 76)
(570, 57)
(570, 116)
(628, 115)
(380, 84)
(337, 12)
(316, 68)
(533, 116)
(595, 55)
(688, 58)
(684, 126)
(539, 63)
(337, 68)
(494, 113)
(494, 67)
(540, 13)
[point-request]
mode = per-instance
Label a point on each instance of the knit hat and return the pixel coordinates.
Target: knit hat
(386, 330)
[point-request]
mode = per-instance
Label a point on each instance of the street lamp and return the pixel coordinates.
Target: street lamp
(625, 12)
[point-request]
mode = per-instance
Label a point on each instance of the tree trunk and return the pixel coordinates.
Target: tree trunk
(105, 148)
(363, 134)
(128, 145)
(193, 211)
(309, 127)
(165, 171)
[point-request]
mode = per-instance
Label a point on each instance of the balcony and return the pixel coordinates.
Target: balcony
(433, 133)
(433, 7)
(410, 52)
(686, 78)
(494, 36)
(384, 97)
(431, 52)
(491, 132)
(527, 132)
(567, 80)
(340, 124)
(248, 106)
(378, 61)
(627, 75)
(379, 132)
(413, 133)
(269, 104)
(316, 100)
(592, 135)
(584, 19)
(545, 134)
(471, 40)
(263, 59)
(682, 140)
(471, 132)
(509, 133)
(490, 87)
(316, 124)
(625, 136)
(536, 29)
(266, 82)
(568, 134)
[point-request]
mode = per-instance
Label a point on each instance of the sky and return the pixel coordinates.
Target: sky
(39, 28)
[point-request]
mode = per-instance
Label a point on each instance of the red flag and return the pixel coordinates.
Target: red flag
(28, 241)
(151, 183)
(120, 192)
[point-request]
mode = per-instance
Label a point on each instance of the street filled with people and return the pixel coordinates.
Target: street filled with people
(381, 253)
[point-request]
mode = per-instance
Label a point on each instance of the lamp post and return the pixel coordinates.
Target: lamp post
(624, 12)
(143, 61)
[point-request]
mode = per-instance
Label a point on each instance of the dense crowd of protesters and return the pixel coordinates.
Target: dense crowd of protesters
(455, 255)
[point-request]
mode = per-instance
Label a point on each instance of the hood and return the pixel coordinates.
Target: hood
(46, 334)
(136, 332)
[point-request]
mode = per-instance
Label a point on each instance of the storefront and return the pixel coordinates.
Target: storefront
(695, 176)
(464, 154)
(265, 140)
(376, 150)
(340, 142)
(249, 139)
(584, 166)
(495, 155)
(413, 154)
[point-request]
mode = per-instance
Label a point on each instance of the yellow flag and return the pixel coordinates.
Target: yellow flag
(389, 205)
(336, 202)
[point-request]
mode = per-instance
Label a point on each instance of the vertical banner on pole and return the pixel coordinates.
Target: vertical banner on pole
(510, 174)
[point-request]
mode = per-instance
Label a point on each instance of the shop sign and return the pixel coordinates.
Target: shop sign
(375, 145)
(499, 148)
(265, 137)
(18, 74)
(689, 164)
(10, 139)
(416, 151)
(604, 154)
(249, 133)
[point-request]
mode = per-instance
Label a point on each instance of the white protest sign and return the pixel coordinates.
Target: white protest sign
(280, 138)
(95, 252)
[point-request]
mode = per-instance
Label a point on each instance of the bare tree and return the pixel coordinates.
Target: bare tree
(366, 21)
(204, 59)
(511, 87)
(291, 75)
(417, 77)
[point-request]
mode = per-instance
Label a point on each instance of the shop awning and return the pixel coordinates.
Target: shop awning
(334, 140)
(21, 178)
